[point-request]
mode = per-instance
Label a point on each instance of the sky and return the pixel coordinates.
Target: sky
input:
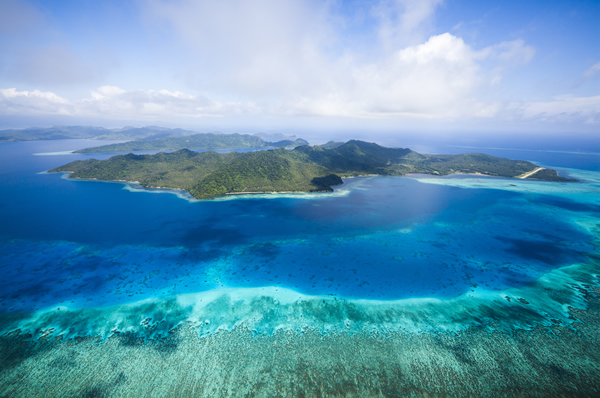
(267, 65)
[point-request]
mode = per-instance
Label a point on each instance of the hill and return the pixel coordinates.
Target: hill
(150, 138)
(195, 141)
(304, 169)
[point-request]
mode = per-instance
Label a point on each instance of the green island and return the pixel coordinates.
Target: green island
(195, 141)
(303, 169)
(151, 138)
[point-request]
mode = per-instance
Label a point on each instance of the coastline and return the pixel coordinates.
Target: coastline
(135, 186)
(185, 194)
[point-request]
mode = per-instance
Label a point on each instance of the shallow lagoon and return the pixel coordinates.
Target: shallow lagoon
(89, 244)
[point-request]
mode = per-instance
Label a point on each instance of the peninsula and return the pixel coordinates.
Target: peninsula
(303, 169)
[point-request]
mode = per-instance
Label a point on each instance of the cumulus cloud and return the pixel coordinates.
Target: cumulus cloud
(440, 78)
(290, 57)
(114, 102)
(425, 80)
(111, 102)
(13, 102)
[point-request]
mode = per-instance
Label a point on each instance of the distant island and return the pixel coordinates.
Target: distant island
(90, 132)
(303, 169)
(195, 141)
(151, 138)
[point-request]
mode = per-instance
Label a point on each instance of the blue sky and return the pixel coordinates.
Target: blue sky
(389, 65)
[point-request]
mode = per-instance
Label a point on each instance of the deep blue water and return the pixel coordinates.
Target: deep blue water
(94, 244)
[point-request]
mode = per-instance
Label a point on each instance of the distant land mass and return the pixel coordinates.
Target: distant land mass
(196, 141)
(304, 169)
(90, 132)
(148, 133)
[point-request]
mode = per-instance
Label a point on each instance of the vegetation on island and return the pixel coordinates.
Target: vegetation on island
(150, 138)
(304, 169)
(195, 141)
(332, 144)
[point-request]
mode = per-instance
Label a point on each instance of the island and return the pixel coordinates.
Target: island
(151, 138)
(303, 169)
(89, 132)
(196, 141)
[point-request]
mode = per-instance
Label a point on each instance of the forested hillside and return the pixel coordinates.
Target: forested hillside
(304, 169)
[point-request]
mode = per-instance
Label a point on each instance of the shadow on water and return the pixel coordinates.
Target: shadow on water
(551, 253)
(570, 205)
(203, 234)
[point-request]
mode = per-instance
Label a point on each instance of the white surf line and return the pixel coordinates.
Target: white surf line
(523, 176)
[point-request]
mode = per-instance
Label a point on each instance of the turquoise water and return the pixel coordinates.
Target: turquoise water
(81, 245)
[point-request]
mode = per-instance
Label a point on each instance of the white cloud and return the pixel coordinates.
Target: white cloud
(107, 91)
(425, 80)
(433, 80)
(289, 57)
(114, 102)
(258, 48)
(440, 78)
(13, 102)
(565, 109)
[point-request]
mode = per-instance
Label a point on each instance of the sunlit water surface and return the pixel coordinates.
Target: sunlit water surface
(90, 245)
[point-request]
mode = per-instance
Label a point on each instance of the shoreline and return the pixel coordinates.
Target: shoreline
(149, 188)
(272, 193)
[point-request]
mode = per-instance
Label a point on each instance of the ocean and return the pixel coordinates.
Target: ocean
(413, 254)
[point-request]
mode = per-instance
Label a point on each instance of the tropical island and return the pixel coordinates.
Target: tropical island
(303, 169)
(151, 138)
(196, 141)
